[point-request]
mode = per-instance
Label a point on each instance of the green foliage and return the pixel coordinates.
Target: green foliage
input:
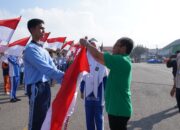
(138, 51)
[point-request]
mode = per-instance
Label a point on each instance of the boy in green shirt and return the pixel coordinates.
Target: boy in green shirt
(117, 92)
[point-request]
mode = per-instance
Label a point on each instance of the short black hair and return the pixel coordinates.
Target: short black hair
(127, 42)
(33, 23)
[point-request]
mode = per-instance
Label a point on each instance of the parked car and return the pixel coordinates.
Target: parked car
(154, 61)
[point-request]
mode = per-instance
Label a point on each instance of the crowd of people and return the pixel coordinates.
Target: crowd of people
(107, 85)
(12, 68)
(13, 71)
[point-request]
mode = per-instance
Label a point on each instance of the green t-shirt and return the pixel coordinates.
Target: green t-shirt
(117, 92)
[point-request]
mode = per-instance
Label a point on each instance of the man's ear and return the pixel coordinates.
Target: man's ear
(31, 30)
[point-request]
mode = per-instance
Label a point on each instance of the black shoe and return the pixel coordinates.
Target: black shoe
(12, 100)
(17, 99)
(176, 106)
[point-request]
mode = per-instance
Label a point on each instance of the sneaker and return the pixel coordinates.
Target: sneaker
(12, 100)
(17, 99)
(8, 93)
(176, 106)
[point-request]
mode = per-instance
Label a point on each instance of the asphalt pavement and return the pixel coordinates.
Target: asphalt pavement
(153, 107)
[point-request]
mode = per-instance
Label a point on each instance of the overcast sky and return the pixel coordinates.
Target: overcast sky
(152, 23)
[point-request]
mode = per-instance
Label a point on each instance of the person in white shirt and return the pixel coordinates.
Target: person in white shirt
(92, 91)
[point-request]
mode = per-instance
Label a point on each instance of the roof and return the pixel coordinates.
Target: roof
(174, 43)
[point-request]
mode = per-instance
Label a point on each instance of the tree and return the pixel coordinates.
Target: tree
(138, 51)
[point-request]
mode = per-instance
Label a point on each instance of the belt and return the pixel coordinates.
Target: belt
(40, 82)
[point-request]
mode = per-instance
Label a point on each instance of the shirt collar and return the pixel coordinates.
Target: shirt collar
(38, 44)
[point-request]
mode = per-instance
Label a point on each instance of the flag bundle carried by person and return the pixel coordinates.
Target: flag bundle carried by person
(16, 48)
(7, 28)
(63, 105)
(55, 43)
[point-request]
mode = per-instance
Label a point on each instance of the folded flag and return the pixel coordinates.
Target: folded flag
(63, 105)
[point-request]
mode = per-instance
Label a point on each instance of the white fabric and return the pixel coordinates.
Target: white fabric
(54, 46)
(3, 48)
(67, 47)
(94, 78)
(73, 103)
(4, 59)
(15, 50)
(5, 34)
(47, 121)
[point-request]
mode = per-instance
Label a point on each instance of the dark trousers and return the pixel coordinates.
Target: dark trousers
(94, 117)
(39, 102)
(118, 122)
(21, 78)
(178, 97)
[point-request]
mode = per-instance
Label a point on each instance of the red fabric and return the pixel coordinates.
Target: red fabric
(77, 48)
(4, 65)
(21, 42)
(65, 96)
(10, 23)
(7, 86)
(67, 43)
(46, 35)
(58, 39)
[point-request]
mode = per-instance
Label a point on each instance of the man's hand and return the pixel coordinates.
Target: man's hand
(173, 91)
(83, 42)
(98, 56)
(53, 83)
(82, 95)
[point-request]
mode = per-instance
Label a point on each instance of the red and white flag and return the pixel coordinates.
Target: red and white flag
(77, 48)
(73, 50)
(63, 105)
(7, 28)
(45, 37)
(67, 45)
(16, 48)
(55, 43)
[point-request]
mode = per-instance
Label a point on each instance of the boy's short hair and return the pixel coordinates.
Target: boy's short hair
(127, 42)
(33, 23)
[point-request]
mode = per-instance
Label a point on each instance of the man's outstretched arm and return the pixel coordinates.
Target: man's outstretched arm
(98, 56)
